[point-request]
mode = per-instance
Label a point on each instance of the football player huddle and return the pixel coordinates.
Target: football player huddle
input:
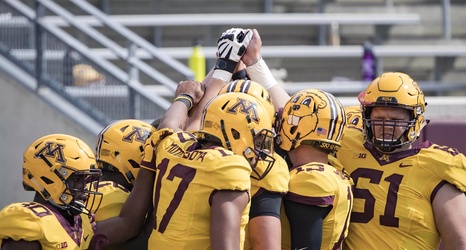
(239, 164)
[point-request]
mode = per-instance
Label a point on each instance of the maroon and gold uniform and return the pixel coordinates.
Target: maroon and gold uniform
(393, 192)
(32, 221)
(318, 184)
(186, 179)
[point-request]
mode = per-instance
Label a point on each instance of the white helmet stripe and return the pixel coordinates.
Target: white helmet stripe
(343, 117)
(245, 86)
(335, 111)
(333, 116)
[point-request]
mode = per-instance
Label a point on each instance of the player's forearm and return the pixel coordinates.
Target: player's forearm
(175, 117)
(111, 232)
(260, 73)
(212, 88)
(279, 96)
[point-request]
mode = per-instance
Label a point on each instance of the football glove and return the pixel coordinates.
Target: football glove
(232, 45)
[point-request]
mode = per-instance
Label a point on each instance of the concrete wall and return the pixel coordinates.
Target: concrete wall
(449, 132)
(24, 118)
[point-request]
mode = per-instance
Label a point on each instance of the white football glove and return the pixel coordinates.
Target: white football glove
(232, 45)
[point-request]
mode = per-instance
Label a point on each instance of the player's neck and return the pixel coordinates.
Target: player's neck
(39, 199)
(400, 149)
(305, 154)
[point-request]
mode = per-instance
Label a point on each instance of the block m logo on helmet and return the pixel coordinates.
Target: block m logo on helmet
(245, 107)
(138, 134)
(53, 150)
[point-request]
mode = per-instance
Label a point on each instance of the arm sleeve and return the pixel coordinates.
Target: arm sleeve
(266, 204)
(305, 224)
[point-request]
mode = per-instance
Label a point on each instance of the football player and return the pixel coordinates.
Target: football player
(268, 185)
(203, 180)
(405, 197)
(119, 151)
(318, 204)
(58, 168)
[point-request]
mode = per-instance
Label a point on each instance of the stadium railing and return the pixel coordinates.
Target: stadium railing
(381, 21)
(32, 34)
(444, 57)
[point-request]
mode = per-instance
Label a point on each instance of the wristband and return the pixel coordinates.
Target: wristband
(222, 75)
(240, 75)
(187, 99)
(259, 72)
(225, 64)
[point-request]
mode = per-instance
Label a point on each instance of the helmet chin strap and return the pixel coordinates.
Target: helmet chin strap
(384, 147)
(73, 208)
(388, 146)
(76, 208)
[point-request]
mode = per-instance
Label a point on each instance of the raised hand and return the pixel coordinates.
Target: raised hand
(253, 53)
(192, 88)
(232, 45)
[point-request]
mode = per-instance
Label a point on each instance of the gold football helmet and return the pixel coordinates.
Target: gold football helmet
(353, 117)
(120, 147)
(52, 162)
(240, 123)
(254, 89)
(312, 117)
(398, 90)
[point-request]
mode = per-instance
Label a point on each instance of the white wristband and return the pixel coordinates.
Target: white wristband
(222, 75)
(260, 73)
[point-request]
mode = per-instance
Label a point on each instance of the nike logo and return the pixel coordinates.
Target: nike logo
(405, 165)
(85, 237)
(304, 248)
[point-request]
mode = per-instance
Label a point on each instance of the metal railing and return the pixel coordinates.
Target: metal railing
(381, 21)
(76, 67)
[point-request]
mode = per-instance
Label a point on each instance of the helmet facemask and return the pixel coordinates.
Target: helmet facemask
(388, 141)
(263, 159)
(85, 197)
(260, 156)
